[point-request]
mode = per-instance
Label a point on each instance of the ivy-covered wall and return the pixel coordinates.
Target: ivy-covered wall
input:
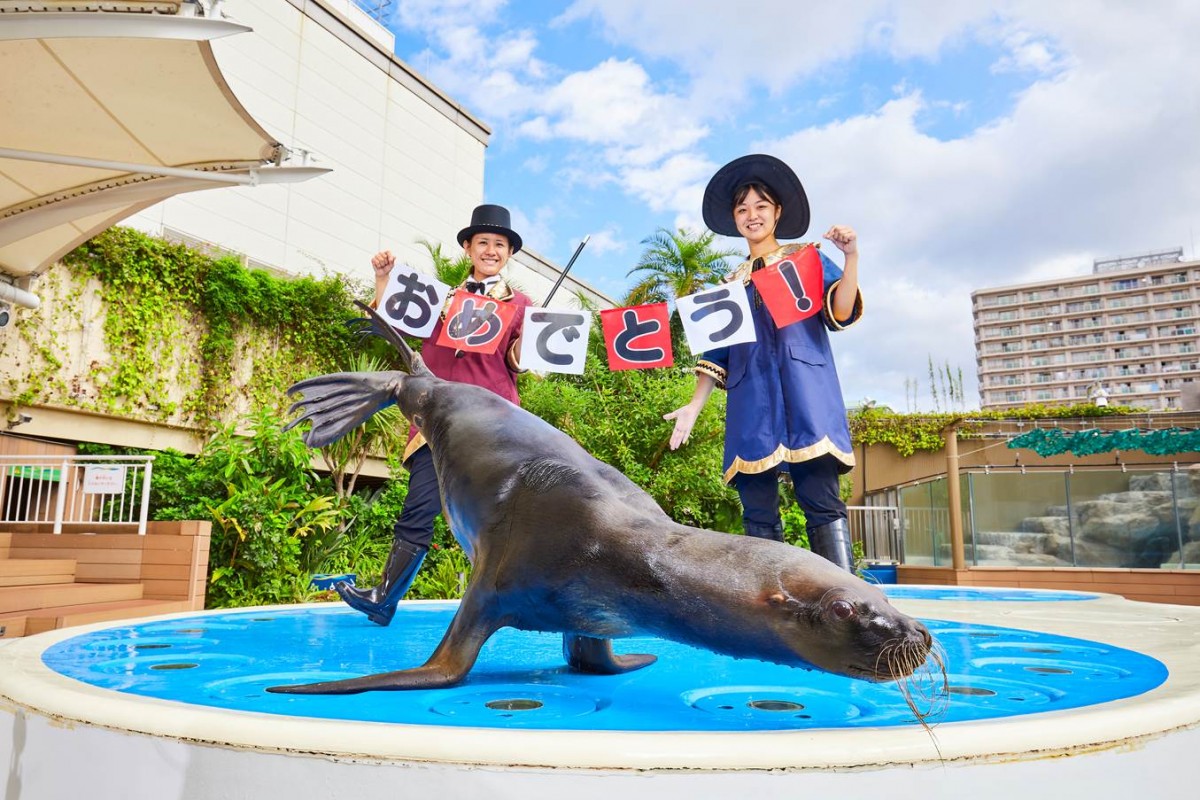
(138, 327)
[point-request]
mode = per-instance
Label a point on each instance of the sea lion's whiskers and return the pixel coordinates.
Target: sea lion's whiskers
(915, 671)
(913, 664)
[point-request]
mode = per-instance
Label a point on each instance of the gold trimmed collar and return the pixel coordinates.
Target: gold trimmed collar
(500, 291)
(742, 271)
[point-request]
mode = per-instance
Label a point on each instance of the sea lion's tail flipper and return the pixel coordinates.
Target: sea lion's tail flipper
(375, 325)
(338, 403)
(589, 654)
(449, 664)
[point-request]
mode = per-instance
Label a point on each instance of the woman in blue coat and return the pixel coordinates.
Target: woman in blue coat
(784, 403)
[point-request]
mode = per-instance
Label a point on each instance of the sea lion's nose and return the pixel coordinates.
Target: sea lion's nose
(926, 638)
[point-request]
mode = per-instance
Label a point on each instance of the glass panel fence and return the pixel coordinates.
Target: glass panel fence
(925, 521)
(1136, 519)
(1124, 519)
(1019, 519)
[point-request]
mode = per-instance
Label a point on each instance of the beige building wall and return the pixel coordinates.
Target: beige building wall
(407, 160)
(1129, 328)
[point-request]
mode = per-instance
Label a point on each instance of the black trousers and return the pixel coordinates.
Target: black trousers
(816, 487)
(423, 503)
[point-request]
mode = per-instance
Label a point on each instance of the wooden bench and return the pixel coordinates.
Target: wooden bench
(50, 581)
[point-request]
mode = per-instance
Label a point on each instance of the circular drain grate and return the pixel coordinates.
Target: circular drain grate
(775, 705)
(513, 705)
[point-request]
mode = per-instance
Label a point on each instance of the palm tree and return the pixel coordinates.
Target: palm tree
(450, 271)
(676, 264)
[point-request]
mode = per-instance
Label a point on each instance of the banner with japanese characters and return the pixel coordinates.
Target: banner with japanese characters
(793, 288)
(716, 317)
(638, 337)
(412, 301)
(476, 323)
(555, 340)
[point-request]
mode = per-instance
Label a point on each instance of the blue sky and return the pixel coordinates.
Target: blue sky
(971, 144)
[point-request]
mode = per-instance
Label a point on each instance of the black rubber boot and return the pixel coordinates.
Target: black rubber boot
(379, 602)
(761, 530)
(832, 542)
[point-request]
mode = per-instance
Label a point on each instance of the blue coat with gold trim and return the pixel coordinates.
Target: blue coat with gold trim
(784, 401)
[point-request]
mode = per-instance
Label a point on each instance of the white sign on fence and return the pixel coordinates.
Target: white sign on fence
(102, 479)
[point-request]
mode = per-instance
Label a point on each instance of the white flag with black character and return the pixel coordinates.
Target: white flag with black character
(716, 317)
(412, 301)
(555, 340)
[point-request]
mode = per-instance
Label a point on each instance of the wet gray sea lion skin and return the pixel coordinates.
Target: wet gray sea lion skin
(562, 542)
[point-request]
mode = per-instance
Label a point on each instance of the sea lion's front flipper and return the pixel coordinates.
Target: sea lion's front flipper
(340, 402)
(448, 665)
(589, 654)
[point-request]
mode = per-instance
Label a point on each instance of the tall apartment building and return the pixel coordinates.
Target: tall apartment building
(1128, 328)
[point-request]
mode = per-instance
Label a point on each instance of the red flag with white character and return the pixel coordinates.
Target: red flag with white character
(476, 323)
(793, 288)
(637, 337)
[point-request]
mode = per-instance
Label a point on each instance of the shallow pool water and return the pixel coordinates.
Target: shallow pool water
(983, 593)
(227, 660)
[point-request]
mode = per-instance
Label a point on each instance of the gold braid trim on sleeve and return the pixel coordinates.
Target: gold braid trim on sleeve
(855, 313)
(512, 360)
(713, 371)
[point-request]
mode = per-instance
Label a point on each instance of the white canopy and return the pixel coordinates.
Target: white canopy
(108, 111)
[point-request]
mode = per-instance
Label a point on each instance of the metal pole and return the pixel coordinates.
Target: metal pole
(62, 496)
(145, 497)
(566, 269)
(243, 176)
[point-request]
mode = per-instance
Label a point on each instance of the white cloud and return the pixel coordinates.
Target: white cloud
(535, 165)
(608, 240)
(614, 106)
(722, 44)
(676, 183)
(537, 232)
(1026, 53)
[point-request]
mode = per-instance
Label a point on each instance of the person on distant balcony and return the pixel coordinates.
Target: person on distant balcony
(488, 241)
(1098, 394)
(784, 401)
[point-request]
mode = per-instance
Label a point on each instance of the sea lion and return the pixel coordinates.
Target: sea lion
(560, 541)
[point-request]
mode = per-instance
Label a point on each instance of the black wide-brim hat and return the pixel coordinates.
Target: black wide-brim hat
(769, 171)
(490, 219)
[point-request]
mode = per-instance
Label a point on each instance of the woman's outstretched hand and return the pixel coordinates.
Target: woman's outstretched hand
(685, 420)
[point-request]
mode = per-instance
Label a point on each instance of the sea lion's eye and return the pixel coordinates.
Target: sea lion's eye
(841, 610)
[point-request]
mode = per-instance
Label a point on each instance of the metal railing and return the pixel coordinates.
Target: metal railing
(878, 528)
(93, 490)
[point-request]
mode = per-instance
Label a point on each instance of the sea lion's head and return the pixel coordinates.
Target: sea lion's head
(844, 625)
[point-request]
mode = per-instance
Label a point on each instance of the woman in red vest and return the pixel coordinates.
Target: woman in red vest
(488, 241)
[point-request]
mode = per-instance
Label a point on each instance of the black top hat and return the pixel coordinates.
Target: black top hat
(764, 169)
(490, 219)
